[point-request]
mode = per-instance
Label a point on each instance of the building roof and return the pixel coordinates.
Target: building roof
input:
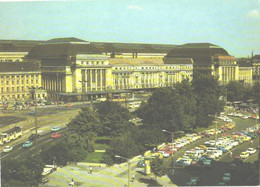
(256, 57)
(64, 40)
(19, 66)
(132, 47)
(17, 45)
(62, 50)
(135, 61)
(201, 53)
(178, 60)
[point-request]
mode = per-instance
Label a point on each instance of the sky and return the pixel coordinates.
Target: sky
(231, 24)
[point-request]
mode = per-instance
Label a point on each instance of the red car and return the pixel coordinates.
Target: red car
(55, 135)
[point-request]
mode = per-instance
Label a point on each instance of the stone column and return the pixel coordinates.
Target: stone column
(101, 79)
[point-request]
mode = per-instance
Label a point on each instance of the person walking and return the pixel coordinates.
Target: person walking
(90, 170)
(72, 182)
(230, 154)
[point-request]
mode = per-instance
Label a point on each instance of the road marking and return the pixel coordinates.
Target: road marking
(4, 156)
(16, 157)
(32, 148)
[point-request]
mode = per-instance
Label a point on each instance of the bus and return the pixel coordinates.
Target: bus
(11, 134)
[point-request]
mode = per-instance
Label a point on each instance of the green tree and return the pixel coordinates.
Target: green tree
(235, 91)
(207, 93)
(82, 129)
(256, 95)
(25, 172)
(113, 117)
(60, 153)
(157, 167)
(124, 146)
(171, 109)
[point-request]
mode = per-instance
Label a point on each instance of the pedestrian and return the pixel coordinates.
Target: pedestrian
(252, 142)
(230, 154)
(72, 182)
(133, 178)
(90, 170)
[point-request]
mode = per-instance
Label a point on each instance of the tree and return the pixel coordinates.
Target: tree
(124, 146)
(256, 95)
(113, 117)
(82, 129)
(235, 91)
(207, 93)
(25, 172)
(59, 152)
(157, 167)
(171, 109)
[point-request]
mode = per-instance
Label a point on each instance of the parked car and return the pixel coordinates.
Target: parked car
(32, 112)
(55, 135)
(251, 151)
(141, 164)
(226, 177)
(244, 154)
(27, 144)
(7, 149)
(54, 129)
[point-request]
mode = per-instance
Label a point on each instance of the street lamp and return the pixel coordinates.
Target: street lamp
(33, 92)
(83, 89)
(128, 162)
(172, 143)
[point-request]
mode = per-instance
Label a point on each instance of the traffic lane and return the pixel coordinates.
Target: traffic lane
(20, 151)
(7, 120)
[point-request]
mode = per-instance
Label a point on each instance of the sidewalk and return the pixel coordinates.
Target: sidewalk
(114, 176)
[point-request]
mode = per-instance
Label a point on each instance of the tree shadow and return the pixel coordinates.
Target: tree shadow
(149, 182)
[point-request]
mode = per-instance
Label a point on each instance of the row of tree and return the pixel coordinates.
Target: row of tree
(185, 106)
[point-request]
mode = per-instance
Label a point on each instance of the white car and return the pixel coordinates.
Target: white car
(7, 149)
(251, 151)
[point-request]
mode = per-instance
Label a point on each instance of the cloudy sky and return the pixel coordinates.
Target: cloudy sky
(232, 24)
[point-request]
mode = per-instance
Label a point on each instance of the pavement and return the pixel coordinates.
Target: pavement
(114, 176)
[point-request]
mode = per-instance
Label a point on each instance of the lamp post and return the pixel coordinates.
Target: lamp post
(128, 162)
(33, 92)
(83, 89)
(172, 143)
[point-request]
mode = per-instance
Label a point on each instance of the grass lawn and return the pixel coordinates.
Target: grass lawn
(94, 157)
(252, 158)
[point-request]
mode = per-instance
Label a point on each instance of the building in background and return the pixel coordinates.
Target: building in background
(245, 75)
(256, 68)
(212, 59)
(73, 69)
(16, 79)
